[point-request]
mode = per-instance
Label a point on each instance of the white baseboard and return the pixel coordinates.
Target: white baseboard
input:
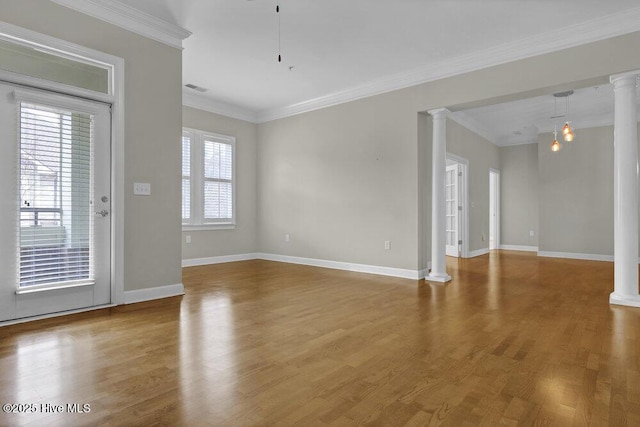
(478, 252)
(628, 300)
(571, 255)
(52, 315)
(338, 265)
(519, 248)
(218, 259)
(149, 294)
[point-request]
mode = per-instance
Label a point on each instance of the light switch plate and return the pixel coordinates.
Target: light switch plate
(141, 189)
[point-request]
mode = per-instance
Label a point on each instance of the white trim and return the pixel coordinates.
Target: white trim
(497, 207)
(140, 295)
(338, 265)
(440, 279)
(207, 227)
(478, 252)
(573, 255)
(218, 107)
(197, 178)
(335, 265)
(218, 259)
(56, 314)
(131, 19)
(634, 73)
(117, 131)
(626, 300)
(519, 248)
(569, 36)
(464, 163)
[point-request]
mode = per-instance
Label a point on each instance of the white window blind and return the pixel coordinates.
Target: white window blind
(55, 228)
(218, 173)
(208, 179)
(186, 178)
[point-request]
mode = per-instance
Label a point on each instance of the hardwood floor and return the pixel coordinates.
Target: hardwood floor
(513, 340)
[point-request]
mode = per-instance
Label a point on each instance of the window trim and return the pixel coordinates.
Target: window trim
(197, 222)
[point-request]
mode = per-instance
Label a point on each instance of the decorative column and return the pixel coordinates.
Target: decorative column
(625, 191)
(438, 209)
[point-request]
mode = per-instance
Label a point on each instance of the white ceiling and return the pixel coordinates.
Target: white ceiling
(336, 45)
(520, 122)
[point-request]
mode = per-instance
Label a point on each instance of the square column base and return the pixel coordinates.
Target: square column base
(440, 278)
(628, 300)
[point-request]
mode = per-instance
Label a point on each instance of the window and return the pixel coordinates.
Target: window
(208, 180)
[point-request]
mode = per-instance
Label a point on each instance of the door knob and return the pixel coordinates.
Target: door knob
(103, 213)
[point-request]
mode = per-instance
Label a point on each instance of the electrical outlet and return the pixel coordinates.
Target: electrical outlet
(187, 238)
(287, 238)
(387, 245)
(532, 233)
(141, 188)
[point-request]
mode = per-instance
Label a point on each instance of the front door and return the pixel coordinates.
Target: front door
(451, 195)
(55, 203)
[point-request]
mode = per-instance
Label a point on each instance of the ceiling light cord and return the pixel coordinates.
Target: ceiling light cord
(278, 12)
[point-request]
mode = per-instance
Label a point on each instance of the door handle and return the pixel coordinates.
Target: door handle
(103, 213)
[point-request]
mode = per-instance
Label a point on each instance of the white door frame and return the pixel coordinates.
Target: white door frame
(116, 99)
(463, 199)
(496, 208)
(454, 249)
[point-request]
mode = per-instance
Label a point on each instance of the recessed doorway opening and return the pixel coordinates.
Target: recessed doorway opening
(456, 201)
(494, 209)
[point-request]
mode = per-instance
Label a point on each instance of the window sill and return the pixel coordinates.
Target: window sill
(207, 227)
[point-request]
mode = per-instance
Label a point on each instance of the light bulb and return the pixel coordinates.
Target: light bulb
(555, 146)
(566, 129)
(569, 136)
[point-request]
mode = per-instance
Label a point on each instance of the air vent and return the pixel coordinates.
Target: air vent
(194, 87)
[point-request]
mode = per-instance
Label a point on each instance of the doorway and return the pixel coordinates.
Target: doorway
(56, 189)
(494, 209)
(456, 221)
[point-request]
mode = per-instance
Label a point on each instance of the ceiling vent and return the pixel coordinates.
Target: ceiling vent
(194, 87)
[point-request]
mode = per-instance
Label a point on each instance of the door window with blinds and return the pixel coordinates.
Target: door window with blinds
(55, 164)
(208, 179)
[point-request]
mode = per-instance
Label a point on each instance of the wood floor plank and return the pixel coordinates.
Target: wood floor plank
(513, 339)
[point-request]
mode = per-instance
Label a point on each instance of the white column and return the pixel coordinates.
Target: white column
(625, 191)
(438, 213)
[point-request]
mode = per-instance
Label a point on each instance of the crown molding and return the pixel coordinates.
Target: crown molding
(131, 19)
(213, 106)
(594, 30)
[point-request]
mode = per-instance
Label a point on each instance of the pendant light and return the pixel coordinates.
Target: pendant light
(567, 132)
(555, 145)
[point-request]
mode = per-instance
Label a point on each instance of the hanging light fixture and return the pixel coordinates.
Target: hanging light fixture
(555, 145)
(567, 132)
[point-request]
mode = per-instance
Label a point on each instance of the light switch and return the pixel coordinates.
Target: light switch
(142, 188)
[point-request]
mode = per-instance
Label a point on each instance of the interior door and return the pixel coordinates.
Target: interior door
(55, 198)
(452, 221)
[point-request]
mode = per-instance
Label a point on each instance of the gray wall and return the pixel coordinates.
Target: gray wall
(576, 193)
(242, 239)
(425, 138)
(341, 181)
(153, 80)
(519, 195)
(482, 155)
